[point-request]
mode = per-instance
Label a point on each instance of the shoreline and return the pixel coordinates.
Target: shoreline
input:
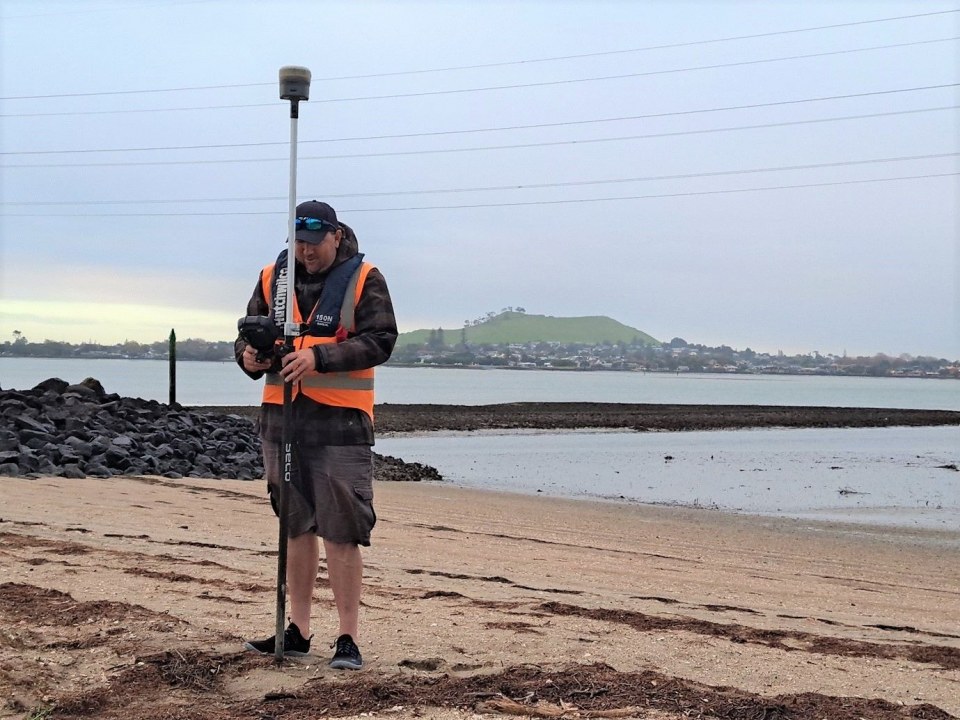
(627, 416)
(897, 535)
(866, 477)
(438, 423)
(948, 374)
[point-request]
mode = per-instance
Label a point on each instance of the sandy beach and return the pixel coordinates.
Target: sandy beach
(130, 598)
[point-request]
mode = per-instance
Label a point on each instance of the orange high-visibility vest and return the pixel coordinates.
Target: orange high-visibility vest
(352, 389)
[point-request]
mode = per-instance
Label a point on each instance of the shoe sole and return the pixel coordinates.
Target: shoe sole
(345, 665)
(286, 653)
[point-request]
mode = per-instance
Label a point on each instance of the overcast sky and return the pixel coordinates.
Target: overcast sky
(773, 175)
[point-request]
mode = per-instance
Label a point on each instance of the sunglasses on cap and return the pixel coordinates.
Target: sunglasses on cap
(305, 223)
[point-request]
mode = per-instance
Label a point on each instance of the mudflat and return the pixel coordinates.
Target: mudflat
(630, 416)
(130, 597)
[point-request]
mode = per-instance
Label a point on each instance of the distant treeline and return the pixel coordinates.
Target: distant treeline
(676, 355)
(189, 349)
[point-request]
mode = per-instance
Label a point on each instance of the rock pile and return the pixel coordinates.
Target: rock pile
(80, 430)
(386, 467)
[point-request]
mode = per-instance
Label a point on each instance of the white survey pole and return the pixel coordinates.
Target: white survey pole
(294, 86)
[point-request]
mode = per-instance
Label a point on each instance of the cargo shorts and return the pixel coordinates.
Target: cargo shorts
(331, 491)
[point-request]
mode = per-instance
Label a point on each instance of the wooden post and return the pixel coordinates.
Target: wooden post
(173, 367)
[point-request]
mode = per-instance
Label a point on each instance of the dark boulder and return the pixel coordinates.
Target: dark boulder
(80, 430)
(80, 391)
(94, 384)
(72, 471)
(55, 384)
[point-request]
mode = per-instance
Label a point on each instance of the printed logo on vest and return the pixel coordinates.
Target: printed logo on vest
(280, 297)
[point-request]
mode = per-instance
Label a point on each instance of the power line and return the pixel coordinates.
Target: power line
(140, 110)
(104, 93)
(536, 126)
(668, 46)
(554, 143)
(547, 83)
(509, 204)
(624, 76)
(515, 186)
(507, 63)
(659, 196)
(138, 7)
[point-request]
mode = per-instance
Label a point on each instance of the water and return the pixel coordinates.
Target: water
(880, 476)
(198, 383)
(211, 383)
(891, 472)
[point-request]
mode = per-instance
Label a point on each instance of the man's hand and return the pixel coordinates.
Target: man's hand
(250, 363)
(297, 364)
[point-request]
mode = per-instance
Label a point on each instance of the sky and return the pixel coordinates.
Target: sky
(781, 176)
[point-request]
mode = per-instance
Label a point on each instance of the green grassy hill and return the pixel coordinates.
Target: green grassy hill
(514, 327)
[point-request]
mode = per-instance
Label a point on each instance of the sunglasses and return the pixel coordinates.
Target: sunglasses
(305, 223)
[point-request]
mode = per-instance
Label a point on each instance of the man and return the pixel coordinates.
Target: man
(350, 329)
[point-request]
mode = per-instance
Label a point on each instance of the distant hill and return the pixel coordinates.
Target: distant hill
(516, 327)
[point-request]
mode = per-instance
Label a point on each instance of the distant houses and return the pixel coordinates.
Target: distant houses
(669, 359)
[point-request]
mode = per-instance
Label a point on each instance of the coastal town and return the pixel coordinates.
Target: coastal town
(676, 356)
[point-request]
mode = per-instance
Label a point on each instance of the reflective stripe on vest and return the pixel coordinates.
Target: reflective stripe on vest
(334, 381)
(352, 389)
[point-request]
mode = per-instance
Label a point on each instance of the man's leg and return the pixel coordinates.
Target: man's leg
(345, 568)
(303, 562)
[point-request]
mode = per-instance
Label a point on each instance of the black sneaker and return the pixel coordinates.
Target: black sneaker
(294, 644)
(347, 656)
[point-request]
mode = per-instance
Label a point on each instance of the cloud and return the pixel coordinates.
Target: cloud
(111, 322)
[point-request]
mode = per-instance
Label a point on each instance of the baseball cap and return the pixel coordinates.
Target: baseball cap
(314, 220)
